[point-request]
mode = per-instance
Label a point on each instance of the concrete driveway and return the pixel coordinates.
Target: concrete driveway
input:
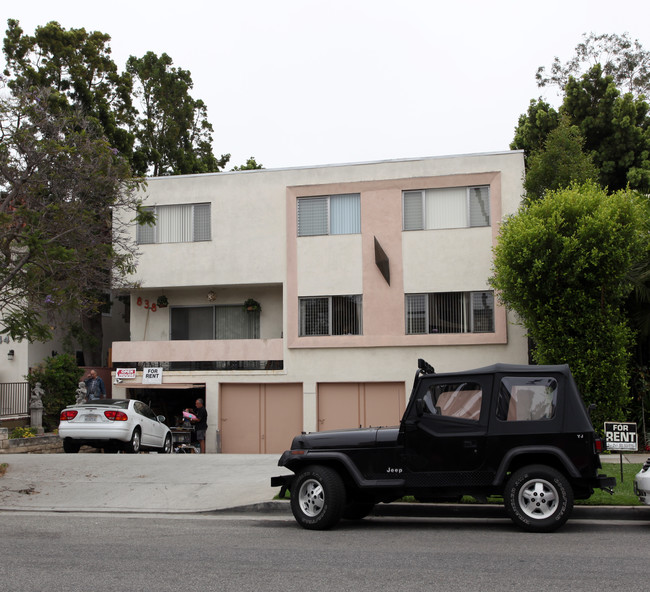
(137, 483)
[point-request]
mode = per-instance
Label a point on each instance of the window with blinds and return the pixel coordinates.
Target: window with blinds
(450, 312)
(182, 223)
(450, 207)
(214, 322)
(329, 214)
(330, 315)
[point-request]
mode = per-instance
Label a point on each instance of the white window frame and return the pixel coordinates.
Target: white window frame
(328, 199)
(143, 230)
(467, 312)
(423, 211)
(358, 302)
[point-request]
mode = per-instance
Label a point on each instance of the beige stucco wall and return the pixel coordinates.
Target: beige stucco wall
(255, 252)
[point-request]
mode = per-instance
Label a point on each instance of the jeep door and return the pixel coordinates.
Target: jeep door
(446, 426)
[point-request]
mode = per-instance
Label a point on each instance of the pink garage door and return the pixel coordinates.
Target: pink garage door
(359, 404)
(259, 418)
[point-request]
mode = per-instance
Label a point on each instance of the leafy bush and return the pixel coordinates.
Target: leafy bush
(59, 377)
(563, 265)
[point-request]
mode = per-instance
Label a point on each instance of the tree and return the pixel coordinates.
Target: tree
(560, 162)
(562, 264)
(250, 165)
(77, 65)
(59, 182)
(621, 58)
(615, 128)
(173, 133)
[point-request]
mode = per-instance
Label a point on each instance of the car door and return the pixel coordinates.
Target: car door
(445, 433)
(151, 427)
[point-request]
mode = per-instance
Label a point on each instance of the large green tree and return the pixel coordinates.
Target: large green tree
(60, 179)
(618, 55)
(173, 133)
(559, 162)
(78, 66)
(562, 264)
(615, 128)
(157, 127)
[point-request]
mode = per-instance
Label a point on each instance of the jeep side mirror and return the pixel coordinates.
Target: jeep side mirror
(591, 408)
(419, 407)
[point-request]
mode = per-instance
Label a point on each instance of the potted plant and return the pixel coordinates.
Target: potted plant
(252, 305)
(162, 301)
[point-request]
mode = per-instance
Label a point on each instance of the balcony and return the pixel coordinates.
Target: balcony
(200, 354)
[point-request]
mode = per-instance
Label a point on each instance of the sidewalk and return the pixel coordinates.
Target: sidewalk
(136, 483)
(615, 457)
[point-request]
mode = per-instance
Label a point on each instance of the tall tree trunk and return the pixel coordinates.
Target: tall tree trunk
(91, 323)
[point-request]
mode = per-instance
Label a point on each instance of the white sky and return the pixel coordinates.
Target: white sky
(298, 83)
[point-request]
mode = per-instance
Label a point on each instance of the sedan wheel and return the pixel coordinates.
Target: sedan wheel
(70, 446)
(167, 447)
(133, 446)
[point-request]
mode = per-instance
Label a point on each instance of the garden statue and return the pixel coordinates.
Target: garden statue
(35, 401)
(82, 393)
(36, 408)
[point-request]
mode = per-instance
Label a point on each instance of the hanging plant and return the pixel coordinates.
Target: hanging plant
(252, 305)
(162, 301)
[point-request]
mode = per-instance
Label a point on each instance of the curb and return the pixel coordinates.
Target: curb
(400, 509)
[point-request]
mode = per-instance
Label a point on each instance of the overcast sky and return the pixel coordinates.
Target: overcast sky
(298, 83)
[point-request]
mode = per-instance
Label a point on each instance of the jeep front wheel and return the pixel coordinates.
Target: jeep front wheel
(317, 498)
(538, 498)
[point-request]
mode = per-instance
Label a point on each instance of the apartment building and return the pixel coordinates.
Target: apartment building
(300, 299)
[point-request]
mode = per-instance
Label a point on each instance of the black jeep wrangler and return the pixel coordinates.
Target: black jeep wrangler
(521, 432)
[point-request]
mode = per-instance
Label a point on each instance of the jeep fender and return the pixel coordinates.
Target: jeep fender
(502, 471)
(295, 462)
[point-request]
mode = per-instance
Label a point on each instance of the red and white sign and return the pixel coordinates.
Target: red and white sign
(125, 373)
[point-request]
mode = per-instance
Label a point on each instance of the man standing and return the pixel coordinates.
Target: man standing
(201, 423)
(95, 386)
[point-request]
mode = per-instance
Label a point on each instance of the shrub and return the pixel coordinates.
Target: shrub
(59, 377)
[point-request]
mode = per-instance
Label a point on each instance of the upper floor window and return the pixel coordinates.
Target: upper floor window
(329, 214)
(451, 207)
(450, 312)
(330, 315)
(214, 322)
(182, 223)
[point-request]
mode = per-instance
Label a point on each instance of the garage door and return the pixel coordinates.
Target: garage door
(359, 404)
(259, 418)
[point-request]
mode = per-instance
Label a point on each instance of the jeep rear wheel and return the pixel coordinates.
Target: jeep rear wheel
(317, 498)
(538, 498)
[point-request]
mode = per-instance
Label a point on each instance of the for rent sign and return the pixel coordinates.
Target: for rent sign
(621, 436)
(152, 375)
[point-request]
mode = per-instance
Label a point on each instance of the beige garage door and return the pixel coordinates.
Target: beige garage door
(359, 404)
(259, 418)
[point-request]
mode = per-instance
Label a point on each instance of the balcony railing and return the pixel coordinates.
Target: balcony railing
(14, 399)
(258, 354)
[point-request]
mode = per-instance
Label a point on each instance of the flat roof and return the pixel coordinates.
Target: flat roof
(343, 164)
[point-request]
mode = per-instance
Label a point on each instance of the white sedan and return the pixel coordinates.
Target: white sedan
(642, 483)
(114, 424)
